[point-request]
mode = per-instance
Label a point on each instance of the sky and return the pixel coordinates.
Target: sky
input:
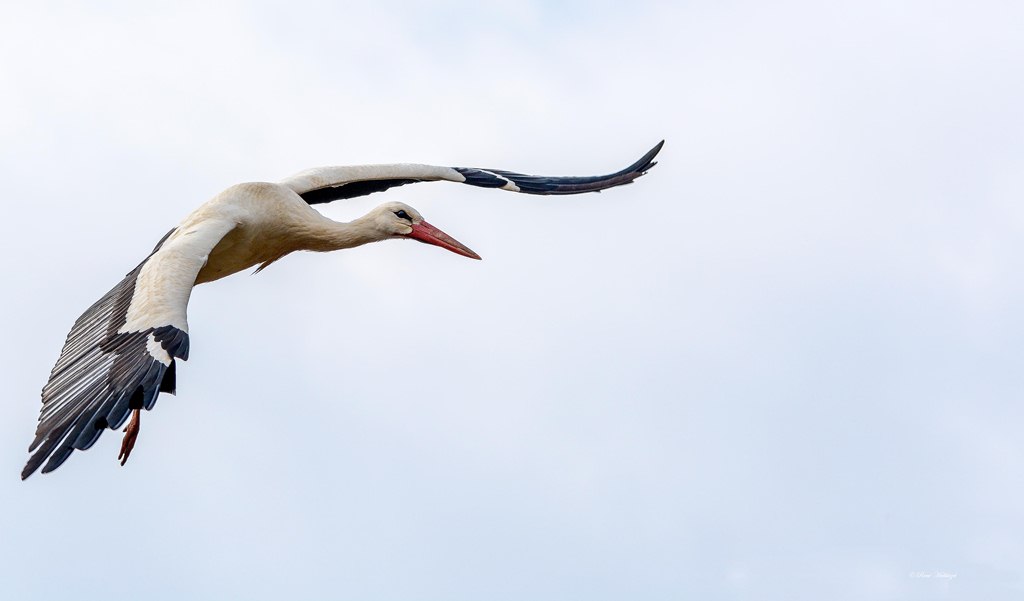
(783, 365)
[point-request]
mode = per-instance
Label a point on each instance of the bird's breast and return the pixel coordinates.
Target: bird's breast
(242, 248)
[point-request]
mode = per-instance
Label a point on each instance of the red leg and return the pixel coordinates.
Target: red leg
(131, 433)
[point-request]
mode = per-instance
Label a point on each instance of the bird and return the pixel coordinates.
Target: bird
(121, 353)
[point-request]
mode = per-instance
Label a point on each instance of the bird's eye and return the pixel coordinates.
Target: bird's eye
(403, 215)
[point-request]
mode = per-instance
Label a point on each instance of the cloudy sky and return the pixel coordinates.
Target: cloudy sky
(783, 365)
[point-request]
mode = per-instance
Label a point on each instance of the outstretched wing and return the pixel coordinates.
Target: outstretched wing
(325, 184)
(120, 353)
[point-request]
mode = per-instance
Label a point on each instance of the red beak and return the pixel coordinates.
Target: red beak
(424, 232)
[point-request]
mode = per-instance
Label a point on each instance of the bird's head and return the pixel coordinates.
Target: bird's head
(399, 220)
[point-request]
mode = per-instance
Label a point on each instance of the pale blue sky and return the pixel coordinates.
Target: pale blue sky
(784, 365)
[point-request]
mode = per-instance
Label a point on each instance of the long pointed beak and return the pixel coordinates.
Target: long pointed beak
(424, 232)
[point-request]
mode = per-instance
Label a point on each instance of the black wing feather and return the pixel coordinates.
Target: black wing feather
(353, 189)
(534, 184)
(100, 376)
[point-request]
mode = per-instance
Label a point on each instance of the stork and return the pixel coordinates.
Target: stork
(121, 353)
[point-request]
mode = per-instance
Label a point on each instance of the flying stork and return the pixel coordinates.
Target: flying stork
(120, 354)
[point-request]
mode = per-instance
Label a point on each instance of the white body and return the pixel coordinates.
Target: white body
(243, 226)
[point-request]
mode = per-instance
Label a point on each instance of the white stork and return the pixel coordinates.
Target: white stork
(120, 353)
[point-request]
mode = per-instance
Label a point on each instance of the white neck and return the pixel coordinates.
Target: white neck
(325, 235)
